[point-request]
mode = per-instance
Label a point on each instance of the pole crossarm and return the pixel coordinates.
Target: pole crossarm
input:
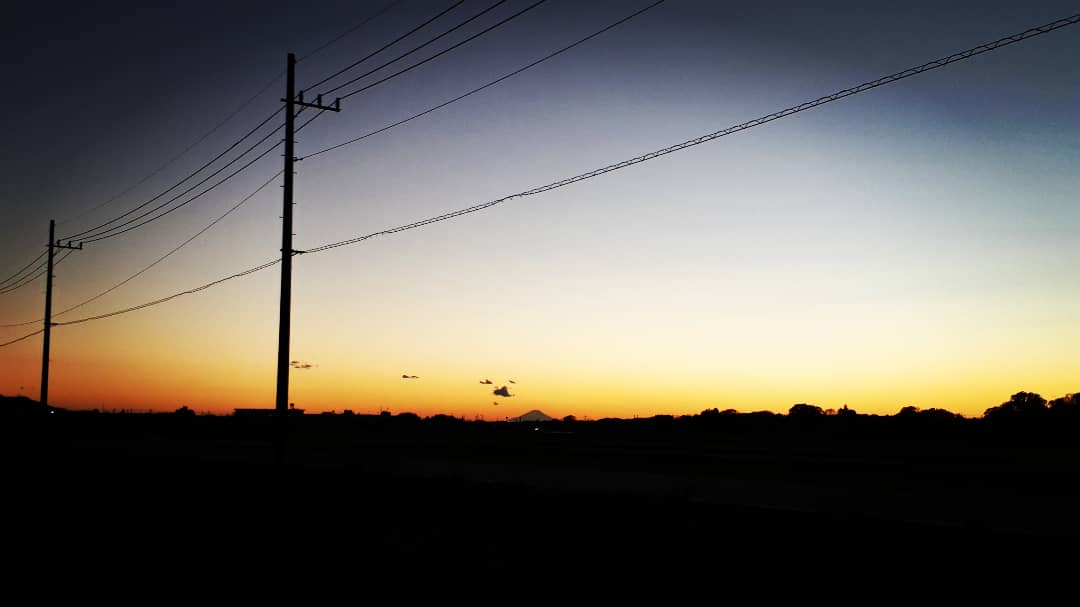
(318, 105)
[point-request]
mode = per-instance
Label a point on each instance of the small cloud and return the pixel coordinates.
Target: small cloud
(495, 403)
(410, 376)
(503, 391)
(486, 381)
(297, 364)
(512, 381)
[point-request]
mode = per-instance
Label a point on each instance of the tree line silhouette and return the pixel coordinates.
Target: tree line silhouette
(1023, 409)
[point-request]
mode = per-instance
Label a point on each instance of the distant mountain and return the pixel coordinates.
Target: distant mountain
(535, 415)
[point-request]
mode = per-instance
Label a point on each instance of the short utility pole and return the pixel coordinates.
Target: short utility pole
(53, 245)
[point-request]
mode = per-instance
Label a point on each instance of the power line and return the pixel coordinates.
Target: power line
(395, 41)
(17, 340)
(490, 84)
(173, 296)
(212, 224)
(41, 270)
(23, 269)
(192, 174)
(116, 231)
(230, 116)
(163, 257)
(177, 157)
(746, 125)
(440, 53)
(157, 261)
(931, 65)
(352, 29)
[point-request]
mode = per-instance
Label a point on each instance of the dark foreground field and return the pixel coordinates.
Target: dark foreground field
(551, 501)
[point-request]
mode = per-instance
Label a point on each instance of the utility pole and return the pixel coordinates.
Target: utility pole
(291, 101)
(53, 245)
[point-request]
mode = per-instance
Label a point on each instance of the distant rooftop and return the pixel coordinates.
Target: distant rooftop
(262, 412)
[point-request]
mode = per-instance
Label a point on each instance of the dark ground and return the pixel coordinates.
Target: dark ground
(554, 501)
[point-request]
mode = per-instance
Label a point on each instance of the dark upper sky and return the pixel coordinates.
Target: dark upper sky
(100, 79)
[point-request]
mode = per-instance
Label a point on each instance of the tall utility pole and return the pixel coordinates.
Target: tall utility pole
(291, 101)
(53, 245)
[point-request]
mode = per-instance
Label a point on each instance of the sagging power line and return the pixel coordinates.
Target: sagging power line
(101, 231)
(488, 85)
(892, 78)
(41, 270)
(392, 43)
(166, 255)
(440, 53)
(15, 276)
(235, 112)
(156, 261)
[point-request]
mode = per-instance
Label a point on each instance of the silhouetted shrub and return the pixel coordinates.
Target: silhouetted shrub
(805, 411)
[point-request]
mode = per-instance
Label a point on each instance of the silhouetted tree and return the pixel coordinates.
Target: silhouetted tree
(939, 414)
(1022, 405)
(569, 418)
(805, 411)
(1066, 407)
(442, 418)
(846, 412)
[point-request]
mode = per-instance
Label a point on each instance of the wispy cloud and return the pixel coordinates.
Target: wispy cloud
(403, 376)
(486, 381)
(298, 364)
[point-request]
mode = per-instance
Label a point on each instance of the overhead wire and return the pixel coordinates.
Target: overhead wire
(230, 116)
(156, 261)
(174, 250)
(216, 127)
(41, 270)
(436, 55)
(23, 269)
(85, 235)
(352, 29)
(963, 55)
(122, 228)
(488, 85)
(930, 65)
(169, 162)
(393, 42)
(18, 339)
(186, 202)
(173, 296)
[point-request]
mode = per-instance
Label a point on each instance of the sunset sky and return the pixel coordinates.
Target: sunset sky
(916, 244)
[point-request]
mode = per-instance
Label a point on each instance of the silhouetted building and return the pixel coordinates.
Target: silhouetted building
(240, 412)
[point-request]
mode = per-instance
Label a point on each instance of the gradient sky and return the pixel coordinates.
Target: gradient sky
(913, 245)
